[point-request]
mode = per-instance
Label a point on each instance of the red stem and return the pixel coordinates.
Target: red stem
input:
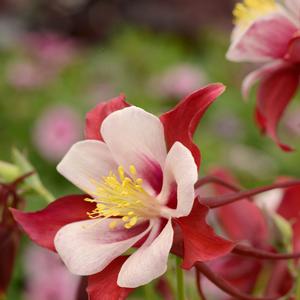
(262, 254)
(217, 201)
(21, 179)
(219, 281)
(216, 180)
(224, 285)
(198, 284)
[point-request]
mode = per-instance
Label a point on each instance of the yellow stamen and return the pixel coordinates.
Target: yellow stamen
(248, 11)
(122, 197)
(132, 170)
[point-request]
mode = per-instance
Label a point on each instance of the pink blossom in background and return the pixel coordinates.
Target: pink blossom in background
(28, 75)
(179, 81)
(45, 56)
(55, 131)
(50, 48)
(56, 283)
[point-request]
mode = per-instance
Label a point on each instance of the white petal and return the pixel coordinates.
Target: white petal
(155, 230)
(294, 7)
(180, 173)
(148, 262)
(87, 247)
(259, 74)
(265, 39)
(87, 161)
(270, 200)
(134, 136)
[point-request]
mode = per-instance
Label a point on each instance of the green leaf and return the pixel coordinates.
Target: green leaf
(9, 172)
(285, 230)
(33, 181)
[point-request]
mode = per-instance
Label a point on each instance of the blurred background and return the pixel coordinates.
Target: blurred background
(59, 58)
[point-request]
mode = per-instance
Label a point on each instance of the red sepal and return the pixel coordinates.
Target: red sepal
(290, 205)
(103, 286)
(95, 117)
(293, 53)
(280, 282)
(241, 220)
(164, 288)
(199, 239)
(239, 271)
(290, 209)
(181, 122)
(274, 94)
(43, 225)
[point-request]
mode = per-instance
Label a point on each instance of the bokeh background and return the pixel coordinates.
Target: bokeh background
(59, 58)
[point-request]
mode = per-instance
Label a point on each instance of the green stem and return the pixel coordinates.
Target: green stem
(180, 280)
(297, 291)
(262, 281)
(148, 292)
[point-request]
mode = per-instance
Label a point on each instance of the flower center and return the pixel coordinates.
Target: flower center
(122, 197)
(248, 11)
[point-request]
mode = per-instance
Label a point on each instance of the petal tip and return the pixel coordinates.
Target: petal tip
(18, 215)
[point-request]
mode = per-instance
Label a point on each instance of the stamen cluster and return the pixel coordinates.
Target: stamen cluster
(123, 198)
(246, 12)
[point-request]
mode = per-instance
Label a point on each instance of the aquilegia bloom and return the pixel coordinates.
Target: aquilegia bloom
(138, 172)
(268, 32)
(123, 177)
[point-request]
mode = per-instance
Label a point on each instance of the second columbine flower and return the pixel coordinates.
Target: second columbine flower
(268, 32)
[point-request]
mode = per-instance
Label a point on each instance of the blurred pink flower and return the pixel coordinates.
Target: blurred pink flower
(179, 81)
(46, 55)
(55, 131)
(56, 283)
(28, 75)
(50, 48)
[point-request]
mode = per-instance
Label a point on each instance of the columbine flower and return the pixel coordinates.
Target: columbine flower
(123, 177)
(139, 173)
(269, 32)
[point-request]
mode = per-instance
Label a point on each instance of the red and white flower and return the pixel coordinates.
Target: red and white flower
(123, 176)
(268, 32)
(249, 222)
(139, 172)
